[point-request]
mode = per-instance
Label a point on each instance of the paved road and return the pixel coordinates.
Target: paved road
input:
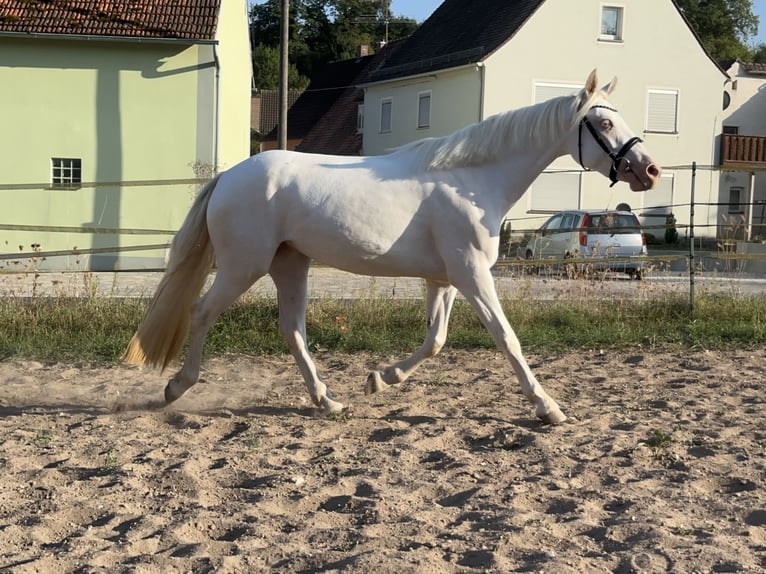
(326, 282)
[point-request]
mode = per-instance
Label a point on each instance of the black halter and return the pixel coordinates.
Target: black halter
(616, 158)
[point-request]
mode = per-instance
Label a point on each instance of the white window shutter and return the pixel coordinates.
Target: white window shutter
(555, 191)
(546, 91)
(662, 113)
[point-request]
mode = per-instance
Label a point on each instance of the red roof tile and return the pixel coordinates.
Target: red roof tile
(187, 19)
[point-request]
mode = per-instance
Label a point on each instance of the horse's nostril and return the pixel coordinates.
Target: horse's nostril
(653, 171)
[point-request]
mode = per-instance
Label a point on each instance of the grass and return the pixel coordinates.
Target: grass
(96, 329)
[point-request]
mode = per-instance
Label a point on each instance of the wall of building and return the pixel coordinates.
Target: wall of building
(132, 112)
(235, 78)
(455, 103)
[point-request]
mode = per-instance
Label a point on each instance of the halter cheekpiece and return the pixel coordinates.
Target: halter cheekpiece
(616, 158)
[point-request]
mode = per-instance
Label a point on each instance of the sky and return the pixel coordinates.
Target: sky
(419, 10)
(759, 9)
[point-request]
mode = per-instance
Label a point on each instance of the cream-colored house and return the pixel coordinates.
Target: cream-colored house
(743, 153)
(475, 58)
(111, 110)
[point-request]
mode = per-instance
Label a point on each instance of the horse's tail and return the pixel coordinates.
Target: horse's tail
(161, 335)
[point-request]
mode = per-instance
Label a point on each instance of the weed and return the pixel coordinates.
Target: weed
(659, 441)
(111, 457)
(42, 438)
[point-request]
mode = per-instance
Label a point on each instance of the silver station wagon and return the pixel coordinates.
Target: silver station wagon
(592, 240)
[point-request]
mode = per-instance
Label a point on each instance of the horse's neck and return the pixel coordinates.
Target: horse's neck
(518, 145)
(505, 181)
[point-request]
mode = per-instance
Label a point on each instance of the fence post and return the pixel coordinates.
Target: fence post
(691, 238)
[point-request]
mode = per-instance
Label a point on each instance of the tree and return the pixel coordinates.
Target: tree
(322, 31)
(266, 70)
(724, 26)
(759, 54)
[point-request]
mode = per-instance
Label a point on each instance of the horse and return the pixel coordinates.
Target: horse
(431, 209)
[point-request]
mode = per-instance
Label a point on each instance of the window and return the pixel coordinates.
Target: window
(66, 173)
(731, 130)
(611, 23)
(360, 118)
(662, 112)
(424, 110)
(735, 199)
(568, 222)
(555, 191)
(386, 110)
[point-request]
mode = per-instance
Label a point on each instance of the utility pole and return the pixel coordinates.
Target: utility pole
(284, 65)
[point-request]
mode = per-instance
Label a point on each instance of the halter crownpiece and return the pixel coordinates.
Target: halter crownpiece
(616, 158)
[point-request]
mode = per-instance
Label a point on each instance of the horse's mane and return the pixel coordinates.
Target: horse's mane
(494, 137)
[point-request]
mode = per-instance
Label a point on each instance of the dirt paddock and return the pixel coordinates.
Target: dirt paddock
(659, 469)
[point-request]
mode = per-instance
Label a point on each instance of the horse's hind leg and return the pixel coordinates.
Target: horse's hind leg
(439, 300)
(226, 288)
(289, 270)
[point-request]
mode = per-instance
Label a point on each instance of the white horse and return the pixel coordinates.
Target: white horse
(430, 209)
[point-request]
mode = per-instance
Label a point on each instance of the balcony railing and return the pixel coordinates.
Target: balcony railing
(743, 151)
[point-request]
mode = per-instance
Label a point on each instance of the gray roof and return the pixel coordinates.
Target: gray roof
(458, 32)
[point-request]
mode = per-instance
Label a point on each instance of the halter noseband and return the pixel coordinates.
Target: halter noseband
(616, 158)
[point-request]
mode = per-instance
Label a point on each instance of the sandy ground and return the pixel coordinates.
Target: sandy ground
(661, 468)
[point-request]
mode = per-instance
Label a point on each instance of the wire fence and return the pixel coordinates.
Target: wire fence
(732, 247)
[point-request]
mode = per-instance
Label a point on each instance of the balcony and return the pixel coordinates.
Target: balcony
(743, 151)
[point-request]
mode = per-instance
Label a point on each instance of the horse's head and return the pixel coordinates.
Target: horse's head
(605, 142)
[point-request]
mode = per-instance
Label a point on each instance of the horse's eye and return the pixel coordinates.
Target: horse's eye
(607, 125)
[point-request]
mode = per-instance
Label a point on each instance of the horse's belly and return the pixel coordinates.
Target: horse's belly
(365, 260)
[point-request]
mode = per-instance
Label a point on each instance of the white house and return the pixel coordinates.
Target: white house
(475, 58)
(743, 153)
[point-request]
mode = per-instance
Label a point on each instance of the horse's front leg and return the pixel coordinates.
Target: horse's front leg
(439, 300)
(289, 270)
(478, 287)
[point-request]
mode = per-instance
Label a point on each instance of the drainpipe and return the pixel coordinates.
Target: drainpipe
(217, 108)
(482, 76)
(750, 207)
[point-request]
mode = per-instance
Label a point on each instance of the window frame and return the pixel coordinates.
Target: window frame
(421, 124)
(619, 25)
(386, 101)
(66, 173)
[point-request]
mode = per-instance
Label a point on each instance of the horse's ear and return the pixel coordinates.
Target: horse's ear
(609, 88)
(591, 84)
(588, 90)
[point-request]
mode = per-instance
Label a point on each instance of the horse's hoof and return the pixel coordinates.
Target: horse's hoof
(329, 406)
(553, 417)
(374, 383)
(173, 391)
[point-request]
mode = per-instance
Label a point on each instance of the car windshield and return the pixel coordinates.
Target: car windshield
(612, 223)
